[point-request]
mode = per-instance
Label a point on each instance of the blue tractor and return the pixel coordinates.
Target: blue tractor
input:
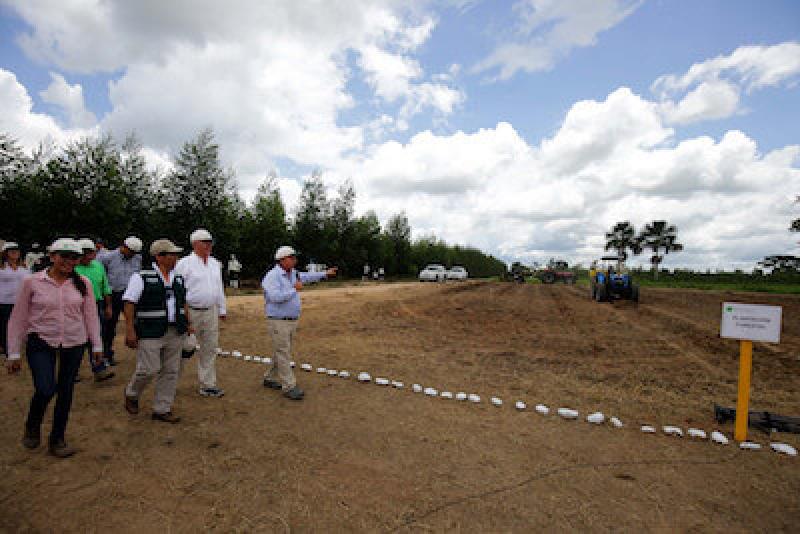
(610, 281)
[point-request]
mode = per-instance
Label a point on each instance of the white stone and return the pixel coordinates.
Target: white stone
(568, 413)
(416, 388)
(496, 401)
(218, 350)
(236, 354)
(461, 396)
(672, 431)
(266, 360)
(596, 418)
(446, 395)
(364, 377)
(248, 358)
(697, 433)
(332, 372)
(257, 359)
(749, 446)
(344, 374)
(542, 409)
(519, 405)
(397, 384)
(474, 398)
(225, 353)
(292, 365)
(431, 392)
(719, 437)
(616, 422)
(322, 370)
(647, 429)
(382, 381)
(306, 367)
(783, 448)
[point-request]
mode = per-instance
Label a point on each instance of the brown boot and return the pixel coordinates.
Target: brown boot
(60, 449)
(131, 405)
(102, 376)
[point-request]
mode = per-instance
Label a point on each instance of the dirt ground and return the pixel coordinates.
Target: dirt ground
(357, 457)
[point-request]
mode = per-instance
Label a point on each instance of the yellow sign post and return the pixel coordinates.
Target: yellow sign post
(743, 398)
(748, 323)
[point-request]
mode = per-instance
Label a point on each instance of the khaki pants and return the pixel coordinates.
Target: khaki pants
(206, 325)
(161, 358)
(281, 333)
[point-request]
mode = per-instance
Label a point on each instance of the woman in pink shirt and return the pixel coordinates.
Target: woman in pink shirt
(56, 310)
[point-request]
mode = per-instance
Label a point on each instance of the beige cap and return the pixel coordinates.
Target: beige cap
(164, 246)
(65, 244)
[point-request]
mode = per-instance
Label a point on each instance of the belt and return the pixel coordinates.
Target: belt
(199, 309)
(282, 318)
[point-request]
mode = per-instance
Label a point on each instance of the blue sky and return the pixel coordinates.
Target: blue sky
(406, 100)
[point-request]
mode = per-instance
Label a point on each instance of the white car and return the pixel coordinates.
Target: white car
(433, 273)
(457, 273)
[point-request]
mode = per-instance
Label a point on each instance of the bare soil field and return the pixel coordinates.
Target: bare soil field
(357, 457)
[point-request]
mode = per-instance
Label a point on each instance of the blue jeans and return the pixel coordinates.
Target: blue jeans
(42, 361)
(5, 314)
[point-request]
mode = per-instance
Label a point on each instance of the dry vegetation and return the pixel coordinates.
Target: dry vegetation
(367, 458)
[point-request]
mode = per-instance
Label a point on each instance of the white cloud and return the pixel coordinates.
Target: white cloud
(19, 120)
(547, 30)
(711, 89)
(70, 99)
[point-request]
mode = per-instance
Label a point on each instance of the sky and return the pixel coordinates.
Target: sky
(526, 128)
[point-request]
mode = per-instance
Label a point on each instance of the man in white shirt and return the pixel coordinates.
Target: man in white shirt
(205, 295)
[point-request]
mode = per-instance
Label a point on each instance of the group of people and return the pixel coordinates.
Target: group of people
(172, 311)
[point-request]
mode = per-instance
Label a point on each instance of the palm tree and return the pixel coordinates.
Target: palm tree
(622, 238)
(658, 236)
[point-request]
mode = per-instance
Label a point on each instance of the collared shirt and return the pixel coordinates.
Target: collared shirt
(281, 299)
(136, 287)
(58, 313)
(120, 268)
(97, 276)
(204, 287)
(10, 283)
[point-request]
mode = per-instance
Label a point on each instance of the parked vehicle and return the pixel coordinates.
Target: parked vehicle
(457, 273)
(610, 281)
(433, 273)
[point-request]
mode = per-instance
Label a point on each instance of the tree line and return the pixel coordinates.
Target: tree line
(658, 236)
(99, 187)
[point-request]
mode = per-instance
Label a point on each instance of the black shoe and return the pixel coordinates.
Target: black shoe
(131, 405)
(32, 438)
(168, 417)
(294, 394)
(60, 449)
(212, 392)
(111, 361)
(272, 384)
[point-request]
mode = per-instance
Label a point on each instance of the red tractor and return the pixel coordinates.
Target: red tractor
(556, 271)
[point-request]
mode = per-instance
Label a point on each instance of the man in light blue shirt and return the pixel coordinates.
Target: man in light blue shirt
(282, 306)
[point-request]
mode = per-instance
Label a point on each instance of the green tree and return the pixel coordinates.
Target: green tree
(658, 236)
(621, 238)
(398, 235)
(264, 229)
(310, 231)
(16, 194)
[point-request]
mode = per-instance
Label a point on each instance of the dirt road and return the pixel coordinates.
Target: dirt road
(367, 458)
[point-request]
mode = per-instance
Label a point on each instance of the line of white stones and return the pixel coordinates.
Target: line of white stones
(597, 418)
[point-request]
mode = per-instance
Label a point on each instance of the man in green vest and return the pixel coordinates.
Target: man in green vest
(92, 269)
(157, 321)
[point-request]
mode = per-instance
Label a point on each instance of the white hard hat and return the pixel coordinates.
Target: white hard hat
(201, 234)
(284, 252)
(66, 244)
(133, 243)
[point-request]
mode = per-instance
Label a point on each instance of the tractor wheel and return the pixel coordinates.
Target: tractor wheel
(600, 294)
(549, 278)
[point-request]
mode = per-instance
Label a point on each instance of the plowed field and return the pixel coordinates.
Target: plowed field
(356, 457)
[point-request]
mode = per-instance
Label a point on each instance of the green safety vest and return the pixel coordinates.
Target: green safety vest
(151, 310)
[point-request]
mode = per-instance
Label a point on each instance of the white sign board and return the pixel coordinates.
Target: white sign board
(754, 322)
